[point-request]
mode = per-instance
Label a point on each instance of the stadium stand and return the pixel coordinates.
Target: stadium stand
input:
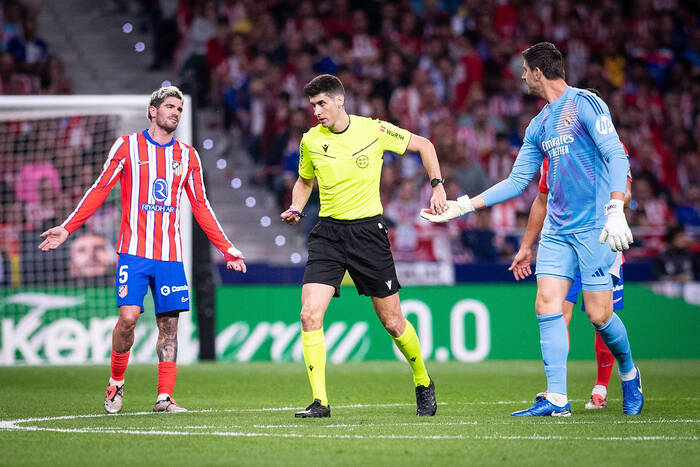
(451, 70)
(447, 69)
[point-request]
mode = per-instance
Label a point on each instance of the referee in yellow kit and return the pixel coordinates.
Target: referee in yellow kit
(345, 153)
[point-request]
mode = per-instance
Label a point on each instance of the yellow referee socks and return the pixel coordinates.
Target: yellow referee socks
(315, 358)
(409, 346)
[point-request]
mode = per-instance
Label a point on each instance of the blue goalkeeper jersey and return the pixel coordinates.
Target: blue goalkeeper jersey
(586, 162)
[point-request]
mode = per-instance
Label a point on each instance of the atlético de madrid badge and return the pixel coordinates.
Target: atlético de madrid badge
(177, 168)
(123, 290)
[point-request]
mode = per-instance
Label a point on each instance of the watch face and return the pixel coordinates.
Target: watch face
(434, 182)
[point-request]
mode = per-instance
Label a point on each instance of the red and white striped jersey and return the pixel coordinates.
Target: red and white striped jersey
(152, 178)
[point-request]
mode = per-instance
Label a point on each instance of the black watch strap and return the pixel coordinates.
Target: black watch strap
(434, 182)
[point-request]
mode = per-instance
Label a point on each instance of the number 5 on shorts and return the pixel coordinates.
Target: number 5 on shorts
(123, 274)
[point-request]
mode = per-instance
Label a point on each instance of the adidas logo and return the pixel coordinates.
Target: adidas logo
(599, 273)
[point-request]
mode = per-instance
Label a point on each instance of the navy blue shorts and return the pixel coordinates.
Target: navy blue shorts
(618, 292)
(165, 278)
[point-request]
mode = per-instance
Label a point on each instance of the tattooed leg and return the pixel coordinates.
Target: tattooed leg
(166, 348)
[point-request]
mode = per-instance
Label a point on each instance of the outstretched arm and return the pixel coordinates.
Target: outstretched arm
(93, 198)
(526, 165)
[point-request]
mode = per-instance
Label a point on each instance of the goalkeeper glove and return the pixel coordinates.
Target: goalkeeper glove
(454, 209)
(616, 230)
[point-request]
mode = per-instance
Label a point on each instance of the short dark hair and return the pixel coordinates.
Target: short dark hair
(546, 57)
(160, 95)
(327, 84)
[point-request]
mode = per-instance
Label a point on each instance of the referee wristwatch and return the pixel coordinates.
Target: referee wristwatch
(434, 182)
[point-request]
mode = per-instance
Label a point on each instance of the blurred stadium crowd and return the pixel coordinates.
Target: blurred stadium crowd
(26, 63)
(448, 70)
(46, 164)
(451, 71)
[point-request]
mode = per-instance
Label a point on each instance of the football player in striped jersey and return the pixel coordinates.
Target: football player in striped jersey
(153, 169)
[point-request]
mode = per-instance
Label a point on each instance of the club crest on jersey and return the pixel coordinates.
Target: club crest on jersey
(568, 120)
(177, 168)
(123, 290)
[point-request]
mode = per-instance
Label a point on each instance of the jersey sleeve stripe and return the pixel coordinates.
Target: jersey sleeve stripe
(591, 100)
(91, 200)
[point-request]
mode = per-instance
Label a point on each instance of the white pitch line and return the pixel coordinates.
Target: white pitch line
(238, 434)
(16, 425)
(362, 425)
(374, 425)
(588, 438)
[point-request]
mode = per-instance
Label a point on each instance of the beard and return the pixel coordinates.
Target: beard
(533, 91)
(166, 124)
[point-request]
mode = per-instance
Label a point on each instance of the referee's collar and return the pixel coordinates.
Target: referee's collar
(343, 131)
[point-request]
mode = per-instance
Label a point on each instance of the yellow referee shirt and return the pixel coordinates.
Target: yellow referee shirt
(348, 165)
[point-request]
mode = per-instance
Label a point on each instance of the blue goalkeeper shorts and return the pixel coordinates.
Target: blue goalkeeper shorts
(564, 255)
(618, 292)
(165, 278)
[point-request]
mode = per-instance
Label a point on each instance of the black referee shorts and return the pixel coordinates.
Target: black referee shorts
(359, 246)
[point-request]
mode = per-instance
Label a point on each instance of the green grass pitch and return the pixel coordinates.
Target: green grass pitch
(242, 414)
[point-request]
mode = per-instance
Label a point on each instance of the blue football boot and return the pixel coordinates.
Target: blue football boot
(632, 397)
(544, 408)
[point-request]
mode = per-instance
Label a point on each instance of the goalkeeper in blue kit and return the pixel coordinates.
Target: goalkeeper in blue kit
(587, 177)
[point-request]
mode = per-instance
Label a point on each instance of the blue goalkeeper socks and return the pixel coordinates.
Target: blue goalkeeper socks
(554, 340)
(614, 335)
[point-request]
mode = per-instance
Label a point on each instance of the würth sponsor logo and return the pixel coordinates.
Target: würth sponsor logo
(394, 134)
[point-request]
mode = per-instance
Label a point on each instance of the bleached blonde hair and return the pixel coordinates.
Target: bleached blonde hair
(160, 95)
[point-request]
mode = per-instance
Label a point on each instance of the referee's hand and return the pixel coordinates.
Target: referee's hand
(438, 202)
(292, 215)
